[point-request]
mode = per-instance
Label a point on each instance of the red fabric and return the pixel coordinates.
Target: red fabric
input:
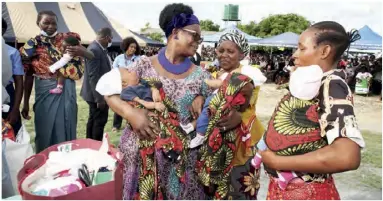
(215, 164)
(277, 141)
(342, 64)
(7, 131)
(108, 191)
(304, 191)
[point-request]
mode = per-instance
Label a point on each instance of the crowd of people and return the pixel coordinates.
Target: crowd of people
(207, 53)
(358, 65)
(276, 66)
(147, 51)
(169, 103)
(150, 51)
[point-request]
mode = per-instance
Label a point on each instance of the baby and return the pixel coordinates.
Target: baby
(126, 83)
(203, 120)
(68, 41)
(134, 89)
(304, 84)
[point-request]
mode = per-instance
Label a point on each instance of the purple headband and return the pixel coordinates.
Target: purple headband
(179, 21)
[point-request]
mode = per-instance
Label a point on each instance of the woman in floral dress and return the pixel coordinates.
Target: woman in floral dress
(183, 83)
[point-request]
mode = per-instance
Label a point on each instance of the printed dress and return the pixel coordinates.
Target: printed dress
(170, 185)
(55, 114)
(299, 126)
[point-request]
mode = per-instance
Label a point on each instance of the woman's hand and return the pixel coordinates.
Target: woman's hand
(25, 112)
(142, 126)
(156, 95)
(232, 120)
(159, 106)
(197, 106)
(138, 118)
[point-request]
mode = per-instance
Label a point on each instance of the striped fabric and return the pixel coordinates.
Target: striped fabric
(83, 18)
(238, 38)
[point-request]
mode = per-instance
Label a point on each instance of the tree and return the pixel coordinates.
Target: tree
(276, 24)
(208, 25)
(281, 23)
(156, 37)
(251, 28)
(147, 26)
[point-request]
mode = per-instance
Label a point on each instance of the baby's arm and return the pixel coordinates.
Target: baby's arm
(215, 84)
(61, 63)
(237, 70)
(150, 105)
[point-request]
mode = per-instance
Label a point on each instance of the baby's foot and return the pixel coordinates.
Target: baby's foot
(188, 128)
(256, 161)
(57, 90)
(197, 141)
(284, 178)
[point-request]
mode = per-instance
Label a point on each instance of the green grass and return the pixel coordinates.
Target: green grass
(371, 165)
(82, 119)
(372, 154)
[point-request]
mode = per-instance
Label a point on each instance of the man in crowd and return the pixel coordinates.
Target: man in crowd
(196, 59)
(94, 69)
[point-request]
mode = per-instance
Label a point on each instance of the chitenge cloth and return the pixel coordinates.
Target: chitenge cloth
(215, 160)
(171, 138)
(293, 130)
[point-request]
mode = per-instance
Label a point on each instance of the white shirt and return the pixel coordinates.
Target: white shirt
(107, 55)
(363, 75)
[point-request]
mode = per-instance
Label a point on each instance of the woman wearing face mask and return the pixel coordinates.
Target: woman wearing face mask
(313, 131)
(131, 52)
(182, 82)
(55, 115)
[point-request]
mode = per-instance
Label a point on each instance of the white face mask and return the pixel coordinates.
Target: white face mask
(305, 82)
(45, 34)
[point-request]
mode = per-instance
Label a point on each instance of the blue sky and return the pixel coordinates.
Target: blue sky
(351, 14)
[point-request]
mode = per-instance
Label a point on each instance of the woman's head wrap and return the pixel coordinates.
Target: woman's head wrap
(180, 21)
(238, 38)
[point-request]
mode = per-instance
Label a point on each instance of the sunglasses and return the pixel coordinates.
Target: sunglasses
(196, 37)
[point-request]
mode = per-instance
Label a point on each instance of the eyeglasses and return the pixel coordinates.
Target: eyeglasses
(196, 37)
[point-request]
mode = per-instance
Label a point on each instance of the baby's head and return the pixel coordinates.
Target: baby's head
(69, 41)
(305, 81)
(128, 78)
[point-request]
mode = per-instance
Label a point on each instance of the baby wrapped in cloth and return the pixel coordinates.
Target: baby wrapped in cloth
(139, 93)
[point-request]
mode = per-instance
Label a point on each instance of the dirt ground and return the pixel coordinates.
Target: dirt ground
(351, 185)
